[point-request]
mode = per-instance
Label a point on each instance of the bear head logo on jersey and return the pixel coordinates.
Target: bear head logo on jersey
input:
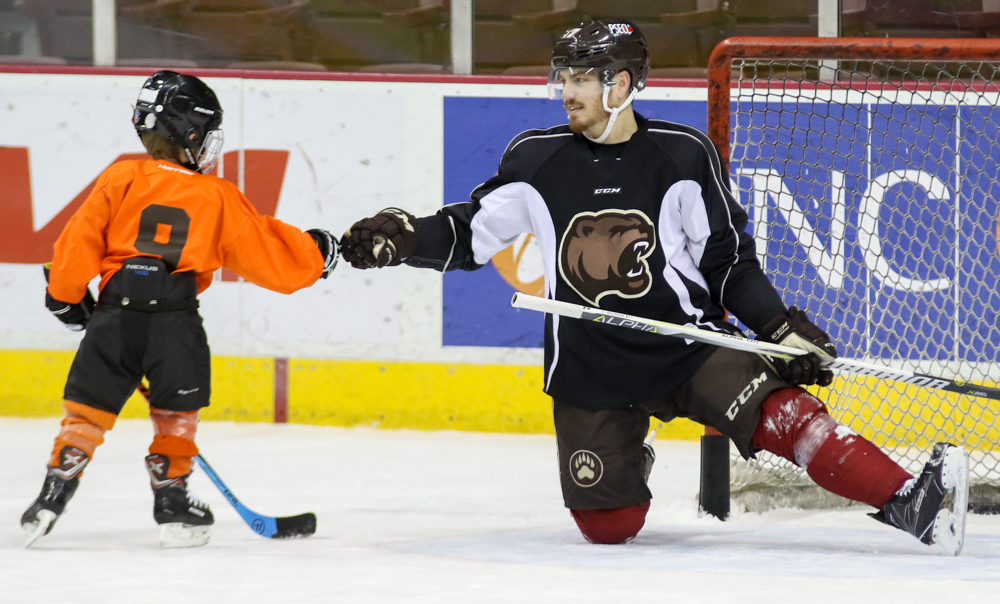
(605, 253)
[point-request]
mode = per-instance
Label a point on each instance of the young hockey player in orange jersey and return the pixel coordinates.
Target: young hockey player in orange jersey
(156, 230)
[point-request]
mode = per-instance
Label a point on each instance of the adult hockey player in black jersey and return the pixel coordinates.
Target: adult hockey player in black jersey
(635, 216)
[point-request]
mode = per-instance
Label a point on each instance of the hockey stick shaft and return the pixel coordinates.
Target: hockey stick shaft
(854, 367)
(586, 313)
(302, 525)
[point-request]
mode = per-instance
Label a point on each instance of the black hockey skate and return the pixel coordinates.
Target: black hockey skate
(934, 507)
(183, 519)
(59, 486)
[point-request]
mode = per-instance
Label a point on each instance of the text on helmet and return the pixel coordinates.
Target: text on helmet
(620, 29)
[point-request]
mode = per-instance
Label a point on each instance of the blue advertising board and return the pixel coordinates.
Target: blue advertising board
(879, 219)
(865, 215)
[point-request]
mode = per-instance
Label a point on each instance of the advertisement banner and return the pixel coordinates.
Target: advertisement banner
(879, 219)
(293, 157)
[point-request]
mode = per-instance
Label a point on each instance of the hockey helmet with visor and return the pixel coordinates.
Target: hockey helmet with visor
(183, 109)
(605, 48)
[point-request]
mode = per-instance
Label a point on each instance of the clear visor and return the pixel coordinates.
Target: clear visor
(210, 151)
(574, 82)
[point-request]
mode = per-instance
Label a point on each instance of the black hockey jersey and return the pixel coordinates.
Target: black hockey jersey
(647, 227)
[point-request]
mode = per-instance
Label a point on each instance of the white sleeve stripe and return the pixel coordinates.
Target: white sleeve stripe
(476, 188)
(555, 349)
(725, 196)
(520, 134)
(454, 242)
(528, 138)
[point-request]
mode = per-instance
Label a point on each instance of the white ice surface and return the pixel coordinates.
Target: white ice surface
(442, 517)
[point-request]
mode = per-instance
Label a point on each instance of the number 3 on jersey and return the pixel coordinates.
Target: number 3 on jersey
(163, 231)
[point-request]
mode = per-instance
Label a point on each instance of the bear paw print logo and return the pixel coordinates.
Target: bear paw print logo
(586, 468)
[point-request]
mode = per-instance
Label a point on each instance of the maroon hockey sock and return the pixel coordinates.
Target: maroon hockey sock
(852, 467)
(618, 525)
(795, 425)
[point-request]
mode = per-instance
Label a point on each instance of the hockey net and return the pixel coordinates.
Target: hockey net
(871, 172)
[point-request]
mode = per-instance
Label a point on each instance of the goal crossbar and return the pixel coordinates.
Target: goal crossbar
(914, 49)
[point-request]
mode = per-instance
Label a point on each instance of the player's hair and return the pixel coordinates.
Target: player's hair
(161, 147)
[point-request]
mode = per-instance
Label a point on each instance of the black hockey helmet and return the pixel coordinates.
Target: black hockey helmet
(182, 108)
(607, 45)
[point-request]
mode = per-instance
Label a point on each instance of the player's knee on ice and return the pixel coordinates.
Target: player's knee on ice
(614, 526)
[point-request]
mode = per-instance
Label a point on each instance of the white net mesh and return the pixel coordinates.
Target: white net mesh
(872, 189)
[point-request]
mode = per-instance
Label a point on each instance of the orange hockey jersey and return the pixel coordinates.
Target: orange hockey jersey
(194, 222)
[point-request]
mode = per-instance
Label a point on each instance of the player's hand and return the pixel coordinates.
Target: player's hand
(385, 239)
(328, 248)
(75, 316)
(796, 330)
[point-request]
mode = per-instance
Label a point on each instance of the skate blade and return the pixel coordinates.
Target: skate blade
(34, 530)
(177, 534)
(948, 533)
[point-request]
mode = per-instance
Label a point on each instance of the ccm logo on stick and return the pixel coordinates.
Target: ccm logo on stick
(745, 396)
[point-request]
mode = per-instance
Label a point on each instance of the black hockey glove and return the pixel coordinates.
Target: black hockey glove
(328, 247)
(75, 316)
(797, 331)
(385, 239)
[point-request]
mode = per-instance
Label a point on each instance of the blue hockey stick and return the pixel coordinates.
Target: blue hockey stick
(302, 525)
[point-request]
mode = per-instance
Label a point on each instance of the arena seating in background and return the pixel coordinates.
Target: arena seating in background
(223, 31)
(18, 32)
(680, 35)
(380, 34)
(527, 70)
(155, 64)
(932, 19)
(276, 66)
(150, 34)
(413, 36)
(64, 28)
(145, 30)
(513, 32)
(405, 68)
(772, 18)
(31, 60)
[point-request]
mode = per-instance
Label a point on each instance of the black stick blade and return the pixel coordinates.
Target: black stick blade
(291, 527)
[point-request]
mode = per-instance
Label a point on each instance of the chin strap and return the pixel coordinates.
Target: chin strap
(614, 114)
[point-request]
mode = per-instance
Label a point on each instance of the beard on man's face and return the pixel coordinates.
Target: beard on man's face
(585, 116)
